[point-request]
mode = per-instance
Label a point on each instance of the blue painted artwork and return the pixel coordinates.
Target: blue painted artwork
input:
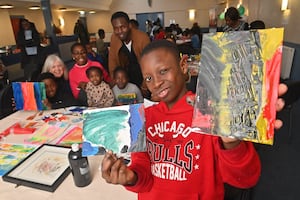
(120, 129)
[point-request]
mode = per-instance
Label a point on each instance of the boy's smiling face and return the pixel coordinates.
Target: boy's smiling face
(164, 76)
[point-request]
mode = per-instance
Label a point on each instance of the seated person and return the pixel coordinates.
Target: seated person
(98, 92)
(125, 92)
(77, 75)
(56, 98)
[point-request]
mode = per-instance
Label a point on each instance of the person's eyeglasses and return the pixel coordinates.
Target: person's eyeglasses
(79, 53)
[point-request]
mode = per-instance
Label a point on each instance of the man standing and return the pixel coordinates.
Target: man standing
(125, 48)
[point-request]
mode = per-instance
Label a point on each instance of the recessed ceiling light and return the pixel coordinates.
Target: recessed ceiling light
(6, 6)
(34, 7)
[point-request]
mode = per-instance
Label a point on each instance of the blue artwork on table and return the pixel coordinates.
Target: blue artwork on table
(119, 128)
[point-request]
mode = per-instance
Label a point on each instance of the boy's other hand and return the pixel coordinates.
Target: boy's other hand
(282, 89)
(116, 172)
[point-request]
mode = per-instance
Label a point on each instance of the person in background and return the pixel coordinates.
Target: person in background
(233, 21)
(57, 67)
(125, 49)
(180, 164)
(195, 40)
(92, 55)
(81, 31)
(77, 75)
(257, 24)
(159, 34)
(98, 92)
(56, 97)
(196, 29)
(3, 75)
(170, 37)
(102, 48)
(125, 92)
(28, 40)
(134, 24)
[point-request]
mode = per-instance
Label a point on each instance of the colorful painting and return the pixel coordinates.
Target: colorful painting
(29, 95)
(73, 134)
(119, 128)
(49, 133)
(238, 84)
(12, 154)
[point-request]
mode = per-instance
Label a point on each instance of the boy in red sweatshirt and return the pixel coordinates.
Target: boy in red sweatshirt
(180, 164)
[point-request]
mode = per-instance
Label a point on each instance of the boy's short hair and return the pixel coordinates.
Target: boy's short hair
(120, 14)
(46, 75)
(120, 69)
(93, 68)
(162, 44)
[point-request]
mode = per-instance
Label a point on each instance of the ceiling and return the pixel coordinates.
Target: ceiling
(70, 5)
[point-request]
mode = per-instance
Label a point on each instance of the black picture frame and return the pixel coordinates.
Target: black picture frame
(44, 169)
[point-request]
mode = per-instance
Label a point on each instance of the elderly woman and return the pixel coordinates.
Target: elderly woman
(57, 67)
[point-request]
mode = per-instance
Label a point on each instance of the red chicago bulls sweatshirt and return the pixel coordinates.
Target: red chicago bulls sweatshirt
(180, 164)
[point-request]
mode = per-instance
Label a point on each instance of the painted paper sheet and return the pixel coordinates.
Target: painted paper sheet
(29, 95)
(49, 133)
(72, 134)
(119, 128)
(238, 84)
(12, 154)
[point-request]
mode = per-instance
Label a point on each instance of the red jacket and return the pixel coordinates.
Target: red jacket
(184, 165)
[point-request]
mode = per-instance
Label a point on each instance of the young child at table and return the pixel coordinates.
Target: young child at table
(125, 92)
(56, 97)
(98, 92)
(179, 164)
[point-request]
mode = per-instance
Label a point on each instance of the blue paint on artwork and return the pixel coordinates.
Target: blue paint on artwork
(88, 149)
(101, 128)
(39, 87)
(18, 97)
(136, 121)
(105, 128)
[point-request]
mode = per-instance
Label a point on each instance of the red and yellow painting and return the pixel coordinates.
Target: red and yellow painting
(238, 83)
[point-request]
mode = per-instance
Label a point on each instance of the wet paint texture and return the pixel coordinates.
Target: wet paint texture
(238, 84)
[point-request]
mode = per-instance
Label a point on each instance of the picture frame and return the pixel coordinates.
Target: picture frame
(44, 169)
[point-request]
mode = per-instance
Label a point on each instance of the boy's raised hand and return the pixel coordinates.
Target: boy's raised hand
(115, 171)
(282, 89)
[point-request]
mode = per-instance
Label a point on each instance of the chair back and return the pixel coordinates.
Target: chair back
(6, 95)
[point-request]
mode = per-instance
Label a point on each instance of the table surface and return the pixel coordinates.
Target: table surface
(98, 189)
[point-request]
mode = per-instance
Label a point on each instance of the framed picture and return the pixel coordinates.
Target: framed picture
(44, 169)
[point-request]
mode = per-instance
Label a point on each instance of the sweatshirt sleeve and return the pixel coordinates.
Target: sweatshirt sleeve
(112, 56)
(73, 84)
(141, 166)
(239, 167)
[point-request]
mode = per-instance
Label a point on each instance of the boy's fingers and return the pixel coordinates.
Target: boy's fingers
(117, 175)
(106, 166)
(282, 89)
